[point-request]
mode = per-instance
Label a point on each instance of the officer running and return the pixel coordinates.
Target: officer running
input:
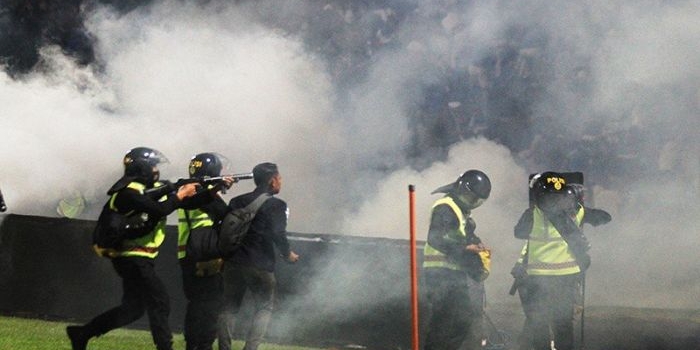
(134, 261)
(455, 264)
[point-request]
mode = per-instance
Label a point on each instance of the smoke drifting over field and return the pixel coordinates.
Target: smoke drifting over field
(619, 100)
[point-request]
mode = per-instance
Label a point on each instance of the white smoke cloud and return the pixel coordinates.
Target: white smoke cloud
(50, 139)
(185, 79)
(226, 84)
(643, 73)
(386, 213)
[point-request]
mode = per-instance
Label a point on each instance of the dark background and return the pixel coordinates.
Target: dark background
(48, 270)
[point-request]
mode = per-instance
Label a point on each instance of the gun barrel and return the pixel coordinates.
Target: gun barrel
(242, 176)
(162, 190)
(236, 177)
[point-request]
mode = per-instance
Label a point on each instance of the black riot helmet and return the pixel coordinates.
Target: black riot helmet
(142, 162)
(207, 164)
(552, 193)
(472, 188)
(150, 155)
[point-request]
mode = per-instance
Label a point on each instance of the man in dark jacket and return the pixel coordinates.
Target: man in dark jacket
(253, 265)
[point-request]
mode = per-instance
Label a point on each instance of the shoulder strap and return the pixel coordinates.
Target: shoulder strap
(187, 218)
(258, 202)
(573, 236)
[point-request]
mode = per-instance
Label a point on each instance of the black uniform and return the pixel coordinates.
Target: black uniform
(201, 275)
(252, 266)
(143, 291)
(455, 299)
(548, 301)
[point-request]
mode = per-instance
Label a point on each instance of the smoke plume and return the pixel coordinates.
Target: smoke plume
(614, 95)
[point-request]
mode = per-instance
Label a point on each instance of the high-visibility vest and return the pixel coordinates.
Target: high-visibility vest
(432, 258)
(145, 246)
(548, 254)
(186, 222)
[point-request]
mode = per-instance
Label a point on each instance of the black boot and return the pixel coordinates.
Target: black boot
(78, 337)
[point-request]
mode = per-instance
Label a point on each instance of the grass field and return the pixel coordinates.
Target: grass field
(30, 334)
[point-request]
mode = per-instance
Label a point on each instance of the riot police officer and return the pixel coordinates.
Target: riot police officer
(553, 259)
(198, 255)
(134, 260)
(455, 264)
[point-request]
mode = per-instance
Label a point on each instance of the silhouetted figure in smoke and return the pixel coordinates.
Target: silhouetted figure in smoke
(455, 264)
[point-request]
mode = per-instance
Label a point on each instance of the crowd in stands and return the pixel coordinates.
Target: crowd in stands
(498, 93)
(27, 25)
(495, 93)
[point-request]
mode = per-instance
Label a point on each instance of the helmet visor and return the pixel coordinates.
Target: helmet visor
(470, 199)
(225, 163)
(155, 157)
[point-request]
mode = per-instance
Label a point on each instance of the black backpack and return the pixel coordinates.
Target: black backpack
(113, 227)
(202, 243)
(235, 225)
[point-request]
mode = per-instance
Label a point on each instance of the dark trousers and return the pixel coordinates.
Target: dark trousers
(548, 302)
(455, 310)
(525, 338)
(143, 292)
(262, 285)
(204, 302)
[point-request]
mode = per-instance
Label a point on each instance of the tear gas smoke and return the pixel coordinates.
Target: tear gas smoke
(620, 79)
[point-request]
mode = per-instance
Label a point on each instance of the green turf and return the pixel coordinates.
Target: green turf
(31, 334)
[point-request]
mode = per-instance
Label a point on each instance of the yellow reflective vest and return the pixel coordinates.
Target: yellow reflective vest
(145, 246)
(548, 253)
(432, 258)
(187, 221)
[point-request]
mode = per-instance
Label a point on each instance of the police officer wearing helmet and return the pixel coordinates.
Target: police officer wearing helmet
(134, 260)
(455, 264)
(199, 260)
(553, 259)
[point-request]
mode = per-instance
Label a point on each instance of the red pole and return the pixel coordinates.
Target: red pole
(414, 274)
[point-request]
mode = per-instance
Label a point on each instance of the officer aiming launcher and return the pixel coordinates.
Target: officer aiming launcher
(205, 169)
(205, 181)
(213, 180)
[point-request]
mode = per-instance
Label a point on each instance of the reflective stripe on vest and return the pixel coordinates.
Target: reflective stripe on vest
(549, 254)
(197, 218)
(432, 257)
(145, 246)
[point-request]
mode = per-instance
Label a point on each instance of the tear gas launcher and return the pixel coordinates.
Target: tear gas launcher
(169, 187)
